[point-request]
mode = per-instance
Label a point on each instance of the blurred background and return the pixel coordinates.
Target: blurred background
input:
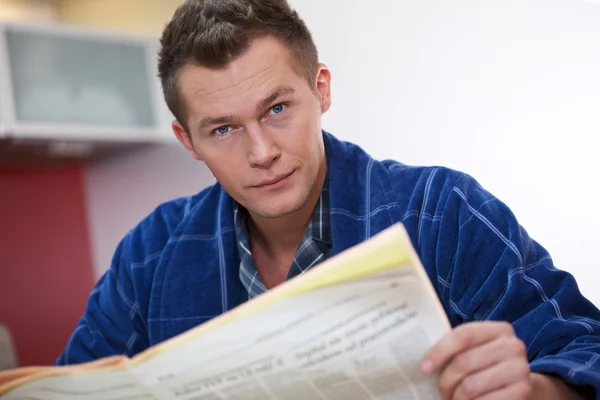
(506, 90)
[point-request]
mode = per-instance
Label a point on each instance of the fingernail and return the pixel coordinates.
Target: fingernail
(427, 366)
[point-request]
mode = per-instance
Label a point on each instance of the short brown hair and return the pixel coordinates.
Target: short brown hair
(211, 33)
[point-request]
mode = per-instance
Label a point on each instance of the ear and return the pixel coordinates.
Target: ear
(323, 87)
(185, 139)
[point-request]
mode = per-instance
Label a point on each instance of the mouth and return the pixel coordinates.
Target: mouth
(274, 182)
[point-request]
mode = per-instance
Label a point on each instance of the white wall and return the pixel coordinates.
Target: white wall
(506, 90)
(123, 189)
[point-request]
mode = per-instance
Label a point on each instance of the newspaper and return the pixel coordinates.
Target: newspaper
(356, 329)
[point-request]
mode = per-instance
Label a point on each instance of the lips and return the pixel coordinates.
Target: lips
(273, 180)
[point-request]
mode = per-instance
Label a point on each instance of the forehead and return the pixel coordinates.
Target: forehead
(265, 66)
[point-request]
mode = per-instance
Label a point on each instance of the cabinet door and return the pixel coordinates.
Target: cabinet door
(6, 113)
(77, 81)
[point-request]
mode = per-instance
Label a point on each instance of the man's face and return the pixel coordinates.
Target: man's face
(257, 125)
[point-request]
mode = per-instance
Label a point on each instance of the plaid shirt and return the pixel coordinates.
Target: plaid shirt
(314, 248)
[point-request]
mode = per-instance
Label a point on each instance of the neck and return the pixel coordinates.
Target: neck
(283, 234)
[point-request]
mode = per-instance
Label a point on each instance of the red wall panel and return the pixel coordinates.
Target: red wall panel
(45, 261)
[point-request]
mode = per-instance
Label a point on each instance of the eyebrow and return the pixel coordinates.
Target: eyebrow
(277, 93)
(267, 101)
(207, 121)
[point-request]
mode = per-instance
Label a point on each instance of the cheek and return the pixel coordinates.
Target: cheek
(224, 159)
(307, 135)
(224, 169)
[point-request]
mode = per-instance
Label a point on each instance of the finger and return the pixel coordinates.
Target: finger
(519, 391)
(514, 372)
(478, 359)
(461, 338)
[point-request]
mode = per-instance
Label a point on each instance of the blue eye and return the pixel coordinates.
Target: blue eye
(222, 130)
(277, 108)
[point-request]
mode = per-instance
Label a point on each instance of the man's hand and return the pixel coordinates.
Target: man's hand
(481, 360)
(486, 361)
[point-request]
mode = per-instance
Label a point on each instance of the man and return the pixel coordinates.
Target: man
(243, 80)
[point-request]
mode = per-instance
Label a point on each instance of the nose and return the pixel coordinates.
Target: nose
(263, 151)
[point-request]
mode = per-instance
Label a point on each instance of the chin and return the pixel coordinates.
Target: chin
(277, 209)
(275, 212)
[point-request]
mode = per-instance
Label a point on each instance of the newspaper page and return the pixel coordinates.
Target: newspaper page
(109, 385)
(355, 340)
(355, 328)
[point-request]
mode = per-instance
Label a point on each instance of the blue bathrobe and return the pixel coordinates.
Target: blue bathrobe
(180, 267)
